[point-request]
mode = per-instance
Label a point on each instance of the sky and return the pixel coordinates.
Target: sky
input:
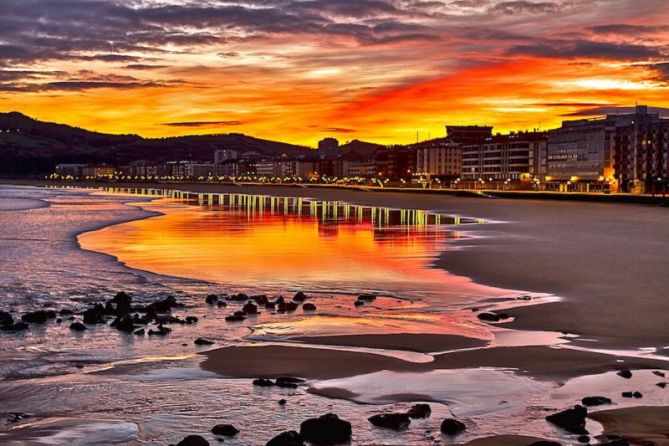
(387, 71)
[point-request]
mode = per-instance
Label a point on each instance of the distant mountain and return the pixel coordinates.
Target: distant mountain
(29, 146)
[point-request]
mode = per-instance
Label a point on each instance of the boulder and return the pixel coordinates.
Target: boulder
(366, 297)
(18, 326)
(326, 429)
(289, 379)
(493, 317)
(163, 306)
(95, 315)
(203, 341)
(234, 318)
(250, 308)
(657, 373)
(288, 438)
(309, 307)
(77, 326)
(221, 304)
(139, 332)
(124, 323)
(452, 426)
(300, 297)
(6, 319)
(595, 400)
(359, 303)
(291, 306)
(160, 331)
(38, 317)
(241, 297)
(225, 430)
(193, 440)
(282, 402)
(419, 411)
(585, 439)
(572, 420)
(191, 320)
(211, 299)
(636, 395)
(396, 421)
(122, 303)
(263, 382)
(627, 374)
(661, 385)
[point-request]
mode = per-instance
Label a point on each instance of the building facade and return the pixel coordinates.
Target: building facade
(439, 158)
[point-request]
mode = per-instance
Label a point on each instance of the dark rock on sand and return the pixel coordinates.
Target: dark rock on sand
(661, 385)
(263, 382)
(396, 421)
(18, 326)
(309, 307)
(77, 326)
(95, 315)
(225, 430)
(299, 297)
(163, 306)
(452, 426)
(625, 374)
(203, 341)
(66, 312)
(572, 420)
(326, 429)
(636, 395)
(122, 303)
(160, 331)
(211, 299)
(221, 304)
(289, 438)
(289, 379)
(282, 402)
(595, 400)
(366, 297)
(419, 411)
(359, 303)
(6, 319)
(124, 323)
(250, 308)
(241, 297)
(583, 439)
(139, 332)
(39, 316)
(660, 374)
(234, 318)
(193, 440)
(493, 317)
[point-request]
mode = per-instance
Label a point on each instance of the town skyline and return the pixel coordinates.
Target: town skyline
(298, 71)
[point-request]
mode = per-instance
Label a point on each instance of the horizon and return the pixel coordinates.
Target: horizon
(378, 70)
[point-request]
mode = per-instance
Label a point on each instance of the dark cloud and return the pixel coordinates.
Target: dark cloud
(144, 67)
(588, 49)
(575, 104)
(624, 29)
(609, 110)
(202, 123)
(662, 71)
(525, 7)
(338, 130)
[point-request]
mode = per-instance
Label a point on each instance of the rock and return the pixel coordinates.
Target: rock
(234, 318)
(163, 306)
(250, 308)
(309, 307)
(625, 374)
(660, 374)
(203, 341)
(122, 303)
(191, 319)
(661, 385)
(241, 297)
(95, 315)
(288, 438)
(38, 317)
(637, 395)
(193, 440)
(124, 323)
(161, 331)
(583, 439)
(299, 297)
(66, 312)
(489, 317)
(77, 326)
(595, 400)
(263, 382)
(452, 426)
(359, 303)
(18, 326)
(572, 420)
(326, 429)
(289, 380)
(225, 430)
(59, 321)
(260, 299)
(139, 332)
(366, 297)
(282, 402)
(419, 411)
(15, 417)
(6, 319)
(291, 306)
(211, 299)
(396, 421)
(221, 304)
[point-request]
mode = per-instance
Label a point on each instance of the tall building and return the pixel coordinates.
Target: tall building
(439, 157)
(328, 147)
(468, 134)
(517, 156)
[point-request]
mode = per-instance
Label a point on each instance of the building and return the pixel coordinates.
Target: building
(507, 159)
(396, 162)
(70, 170)
(142, 168)
(468, 134)
(640, 158)
(328, 147)
(439, 158)
(359, 166)
(225, 155)
(98, 171)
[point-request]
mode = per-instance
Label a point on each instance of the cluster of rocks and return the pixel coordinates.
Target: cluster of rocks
(252, 304)
(364, 299)
(287, 382)
(399, 421)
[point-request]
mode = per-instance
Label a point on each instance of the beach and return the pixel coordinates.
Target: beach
(585, 298)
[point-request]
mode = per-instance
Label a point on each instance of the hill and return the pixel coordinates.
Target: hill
(29, 146)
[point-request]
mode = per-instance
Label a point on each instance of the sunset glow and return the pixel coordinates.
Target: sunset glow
(297, 71)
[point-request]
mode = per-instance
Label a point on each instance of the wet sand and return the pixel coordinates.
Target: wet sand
(422, 343)
(504, 440)
(648, 424)
(544, 363)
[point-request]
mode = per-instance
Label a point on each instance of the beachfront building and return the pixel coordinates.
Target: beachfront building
(359, 166)
(468, 134)
(395, 162)
(222, 155)
(505, 161)
(440, 158)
